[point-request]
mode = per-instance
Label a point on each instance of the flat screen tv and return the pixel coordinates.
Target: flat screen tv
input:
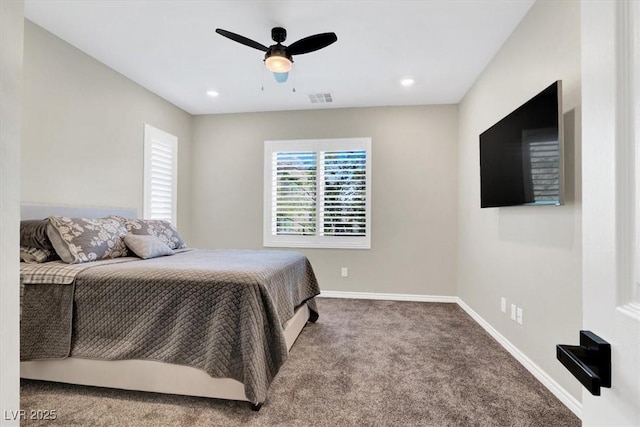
(521, 156)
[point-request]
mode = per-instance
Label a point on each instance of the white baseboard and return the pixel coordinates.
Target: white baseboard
(388, 297)
(558, 391)
(565, 397)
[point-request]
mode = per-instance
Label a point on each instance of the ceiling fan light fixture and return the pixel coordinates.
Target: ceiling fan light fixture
(277, 62)
(281, 77)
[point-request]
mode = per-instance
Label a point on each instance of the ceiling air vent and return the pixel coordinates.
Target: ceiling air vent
(320, 98)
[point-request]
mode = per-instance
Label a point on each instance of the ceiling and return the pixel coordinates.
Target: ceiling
(170, 47)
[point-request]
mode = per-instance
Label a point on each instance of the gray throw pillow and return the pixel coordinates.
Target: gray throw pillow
(147, 246)
(34, 240)
(78, 240)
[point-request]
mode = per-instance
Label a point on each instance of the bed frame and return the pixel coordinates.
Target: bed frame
(141, 375)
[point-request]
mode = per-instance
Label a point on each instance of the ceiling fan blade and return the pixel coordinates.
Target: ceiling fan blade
(241, 39)
(311, 43)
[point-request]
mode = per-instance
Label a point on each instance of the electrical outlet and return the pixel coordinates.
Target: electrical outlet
(519, 315)
(344, 272)
(503, 304)
(513, 312)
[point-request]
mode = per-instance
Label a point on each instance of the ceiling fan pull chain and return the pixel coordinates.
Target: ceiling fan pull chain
(294, 77)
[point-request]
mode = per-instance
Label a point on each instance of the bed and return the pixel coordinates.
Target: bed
(208, 323)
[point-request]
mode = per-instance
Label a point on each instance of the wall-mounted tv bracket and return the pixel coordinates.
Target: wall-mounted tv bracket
(590, 362)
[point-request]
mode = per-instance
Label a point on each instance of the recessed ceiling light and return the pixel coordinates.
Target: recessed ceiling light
(407, 81)
(212, 93)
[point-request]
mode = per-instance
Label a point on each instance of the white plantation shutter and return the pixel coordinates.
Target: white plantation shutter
(160, 174)
(294, 193)
(343, 207)
(317, 193)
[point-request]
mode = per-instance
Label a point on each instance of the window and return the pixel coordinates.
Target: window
(160, 174)
(317, 193)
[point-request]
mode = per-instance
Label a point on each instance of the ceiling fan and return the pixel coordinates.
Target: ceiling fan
(278, 57)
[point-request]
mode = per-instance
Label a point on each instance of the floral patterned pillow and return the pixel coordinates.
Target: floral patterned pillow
(163, 230)
(78, 240)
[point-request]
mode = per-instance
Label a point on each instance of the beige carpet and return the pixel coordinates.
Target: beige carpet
(365, 363)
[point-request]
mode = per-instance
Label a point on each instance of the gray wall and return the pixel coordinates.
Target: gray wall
(83, 127)
(11, 24)
(414, 184)
(530, 255)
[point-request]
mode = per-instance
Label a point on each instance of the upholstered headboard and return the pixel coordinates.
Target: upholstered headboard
(41, 211)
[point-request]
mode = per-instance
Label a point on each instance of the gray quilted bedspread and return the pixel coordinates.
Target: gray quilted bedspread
(221, 311)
